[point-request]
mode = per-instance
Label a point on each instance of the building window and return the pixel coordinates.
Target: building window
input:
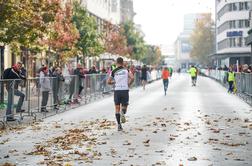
(239, 42)
(239, 6)
(233, 24)
(234, 42)
(247, 23)
(235, 6)
(246, 5)
(240, 23)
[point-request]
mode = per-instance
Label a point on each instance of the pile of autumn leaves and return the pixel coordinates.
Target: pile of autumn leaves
(76, 144)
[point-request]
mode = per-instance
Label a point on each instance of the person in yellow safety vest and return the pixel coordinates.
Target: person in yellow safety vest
(193, 72)
(113, 66)
(231, 80)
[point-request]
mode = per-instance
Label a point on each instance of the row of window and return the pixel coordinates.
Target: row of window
(238, 6)
(232, 43)
(233, 24)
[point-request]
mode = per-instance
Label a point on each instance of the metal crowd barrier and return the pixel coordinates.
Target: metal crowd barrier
(243, 82)
(64, 93)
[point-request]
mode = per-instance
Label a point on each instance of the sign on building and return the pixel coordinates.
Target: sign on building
(235, 34)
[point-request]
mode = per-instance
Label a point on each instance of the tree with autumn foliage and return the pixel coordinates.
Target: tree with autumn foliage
(89, 42)
(153, 55)
(62, 33)
(202, 39)
(24, 22)
(135, 41)
(114, 40)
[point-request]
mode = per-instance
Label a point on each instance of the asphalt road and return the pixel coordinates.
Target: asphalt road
(202, 125)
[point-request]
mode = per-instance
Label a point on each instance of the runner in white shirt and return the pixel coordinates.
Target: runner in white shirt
(121, 78)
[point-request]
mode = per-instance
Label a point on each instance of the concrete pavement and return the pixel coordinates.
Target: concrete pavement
(200, 125)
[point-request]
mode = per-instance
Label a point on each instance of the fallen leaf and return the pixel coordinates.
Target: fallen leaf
(171, 139)
(126, 143)
(102, 143)
(229, 154)
(146, 141)
(163, 125)
(12, 151)
(4, 141)
(217, 149)
(160, 151)
(246, 120)
(192, 159)
(7, 156)
(239, 159)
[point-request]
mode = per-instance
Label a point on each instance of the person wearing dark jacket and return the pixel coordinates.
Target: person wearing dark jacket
(57, 79)
(144, 76)
(14, 74)
(92, 70)
(80, 76)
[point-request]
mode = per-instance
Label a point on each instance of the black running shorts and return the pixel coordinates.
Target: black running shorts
(121, 97)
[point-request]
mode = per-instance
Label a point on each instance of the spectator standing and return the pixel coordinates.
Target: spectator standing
(144, 76)
(231, 79)
(93, 70)
(225, 68)
(45, 84)
(79, 72)
(15, 76)
(23, 73)
(57, 79)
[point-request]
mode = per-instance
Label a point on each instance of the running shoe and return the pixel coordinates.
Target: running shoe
(120, 127)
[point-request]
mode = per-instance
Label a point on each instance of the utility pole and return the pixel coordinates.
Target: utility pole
(1, 73)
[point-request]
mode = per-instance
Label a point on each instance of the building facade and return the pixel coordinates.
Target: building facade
(127, 10)
(232, 25)
(249, 38)
(103, 11)
(182, 44)
(108, 10)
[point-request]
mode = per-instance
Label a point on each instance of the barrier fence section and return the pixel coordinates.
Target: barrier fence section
(47, 96)
(243, 82)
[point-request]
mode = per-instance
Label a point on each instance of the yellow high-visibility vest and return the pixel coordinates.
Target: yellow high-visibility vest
(231, 76)
(193, 72)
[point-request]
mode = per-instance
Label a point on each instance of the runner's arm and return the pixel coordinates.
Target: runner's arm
(110, 81)
(131, 79)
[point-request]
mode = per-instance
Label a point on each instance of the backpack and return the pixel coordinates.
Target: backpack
(6, 73)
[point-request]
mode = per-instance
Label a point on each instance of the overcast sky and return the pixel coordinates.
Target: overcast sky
(162, 20)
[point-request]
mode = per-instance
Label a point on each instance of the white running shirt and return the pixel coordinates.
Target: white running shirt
(121, 77)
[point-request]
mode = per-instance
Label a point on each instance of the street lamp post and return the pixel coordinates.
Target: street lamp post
(1, 73)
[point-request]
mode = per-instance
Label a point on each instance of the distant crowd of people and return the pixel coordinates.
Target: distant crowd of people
(49, 79)
(245, 68)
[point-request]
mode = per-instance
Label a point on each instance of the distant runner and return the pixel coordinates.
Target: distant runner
(170, 71)
(165, 77)
(144, 76)
(122, 79)
(193, 72)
